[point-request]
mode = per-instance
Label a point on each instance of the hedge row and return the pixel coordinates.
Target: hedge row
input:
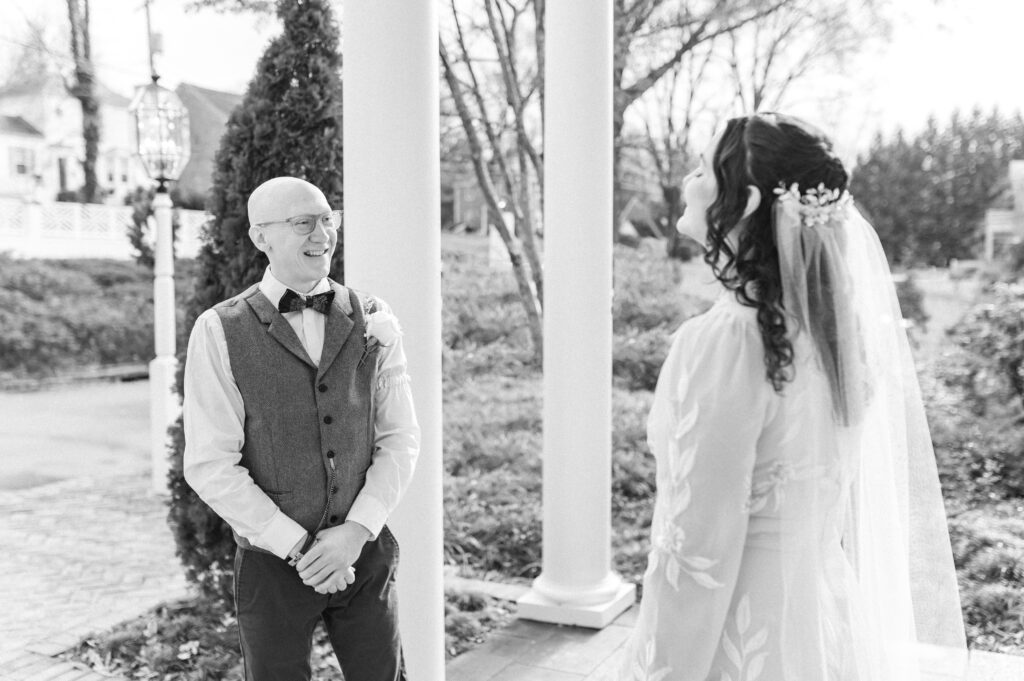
(65, 315)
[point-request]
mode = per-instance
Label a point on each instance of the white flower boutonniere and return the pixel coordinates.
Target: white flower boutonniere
(382, 329)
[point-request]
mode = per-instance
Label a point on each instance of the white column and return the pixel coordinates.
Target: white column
(577, 585)
(393, 249)
(163, 403)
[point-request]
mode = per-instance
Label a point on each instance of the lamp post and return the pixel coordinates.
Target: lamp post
(161, 124)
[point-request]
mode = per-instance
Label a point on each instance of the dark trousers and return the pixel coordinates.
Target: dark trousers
(277, 614)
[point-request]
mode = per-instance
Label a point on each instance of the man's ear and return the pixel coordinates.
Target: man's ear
(753, 200)
(259, 239)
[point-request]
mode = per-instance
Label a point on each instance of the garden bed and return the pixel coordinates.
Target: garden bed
(197, 640)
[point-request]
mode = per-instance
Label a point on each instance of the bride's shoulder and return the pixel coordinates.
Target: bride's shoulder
(717, 351)
(726, 318)
(726, 335)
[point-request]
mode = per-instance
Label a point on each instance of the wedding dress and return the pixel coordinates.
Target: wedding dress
(790, 542)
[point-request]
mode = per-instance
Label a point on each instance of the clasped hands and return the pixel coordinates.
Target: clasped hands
(327, 566)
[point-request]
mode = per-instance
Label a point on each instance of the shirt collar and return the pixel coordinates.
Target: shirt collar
(273, 289)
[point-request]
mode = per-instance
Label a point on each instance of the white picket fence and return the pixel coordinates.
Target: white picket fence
(81, 230)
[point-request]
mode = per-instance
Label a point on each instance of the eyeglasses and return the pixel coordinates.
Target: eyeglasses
(305, 224)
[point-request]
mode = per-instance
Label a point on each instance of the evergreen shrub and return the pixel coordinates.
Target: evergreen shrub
(139, 231)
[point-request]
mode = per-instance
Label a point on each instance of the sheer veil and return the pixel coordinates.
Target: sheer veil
(897, 587)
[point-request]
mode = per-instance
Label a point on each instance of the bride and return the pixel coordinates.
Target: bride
(798, 532)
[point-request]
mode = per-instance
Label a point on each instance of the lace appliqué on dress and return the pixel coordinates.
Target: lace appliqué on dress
(641, 666)
(768, 489)
(745, 654)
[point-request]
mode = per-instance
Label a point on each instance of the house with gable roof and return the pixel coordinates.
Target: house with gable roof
(41, 147)
(208, 112)
(44, 103)
(41, 152)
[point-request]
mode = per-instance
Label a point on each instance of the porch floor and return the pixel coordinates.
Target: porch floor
(535, 651)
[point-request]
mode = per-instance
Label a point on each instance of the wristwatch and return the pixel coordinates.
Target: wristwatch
(294, 558)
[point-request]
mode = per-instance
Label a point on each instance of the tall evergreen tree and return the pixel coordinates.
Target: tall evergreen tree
(883, 183)
(288, 123)
(927, 195)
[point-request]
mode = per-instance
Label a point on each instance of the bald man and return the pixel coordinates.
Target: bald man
(300, 433)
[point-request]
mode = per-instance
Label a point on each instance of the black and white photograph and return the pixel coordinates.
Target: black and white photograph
(511, 340)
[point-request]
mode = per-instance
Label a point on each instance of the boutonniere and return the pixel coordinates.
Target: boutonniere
(382, 328)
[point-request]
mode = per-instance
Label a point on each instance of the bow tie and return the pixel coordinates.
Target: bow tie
(293, 302)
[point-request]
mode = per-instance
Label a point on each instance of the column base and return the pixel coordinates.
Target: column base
(535, 606)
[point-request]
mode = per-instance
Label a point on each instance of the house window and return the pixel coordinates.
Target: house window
(23, 162)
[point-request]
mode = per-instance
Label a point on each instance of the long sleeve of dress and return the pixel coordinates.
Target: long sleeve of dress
(710, 408)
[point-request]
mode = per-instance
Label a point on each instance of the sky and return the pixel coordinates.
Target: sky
(944, 54)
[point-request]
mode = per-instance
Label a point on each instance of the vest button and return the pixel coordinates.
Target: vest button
(328, 419)
(334, 519)
(322, 387)
(330, 453)
(334, 490)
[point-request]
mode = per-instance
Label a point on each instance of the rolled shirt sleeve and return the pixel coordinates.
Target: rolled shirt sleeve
(213, 415)
(396, 443)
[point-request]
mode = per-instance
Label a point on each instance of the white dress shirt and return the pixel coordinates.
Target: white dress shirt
(214, 415)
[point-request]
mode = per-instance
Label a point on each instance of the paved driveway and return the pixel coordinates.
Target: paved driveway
(94, 429)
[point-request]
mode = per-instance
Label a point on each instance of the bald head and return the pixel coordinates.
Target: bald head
(283, 197)
(298, 260)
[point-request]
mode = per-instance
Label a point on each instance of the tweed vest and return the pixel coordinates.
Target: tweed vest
(303, 423)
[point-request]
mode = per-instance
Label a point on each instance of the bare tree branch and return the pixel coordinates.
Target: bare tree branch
(767, 58)
(701, 33)
(504, 42)
(527, 288)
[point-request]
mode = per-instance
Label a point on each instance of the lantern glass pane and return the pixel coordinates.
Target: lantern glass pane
(161, 123)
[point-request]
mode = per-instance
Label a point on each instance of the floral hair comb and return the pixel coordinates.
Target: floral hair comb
(817, 205)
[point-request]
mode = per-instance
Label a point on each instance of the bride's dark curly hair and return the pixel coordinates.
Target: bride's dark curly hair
(766, 150)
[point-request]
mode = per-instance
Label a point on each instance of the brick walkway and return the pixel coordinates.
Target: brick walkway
(78, 556)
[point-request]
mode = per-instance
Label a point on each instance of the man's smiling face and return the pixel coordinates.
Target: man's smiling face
(298, 261)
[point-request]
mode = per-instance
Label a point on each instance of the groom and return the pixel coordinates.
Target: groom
(300, 433)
